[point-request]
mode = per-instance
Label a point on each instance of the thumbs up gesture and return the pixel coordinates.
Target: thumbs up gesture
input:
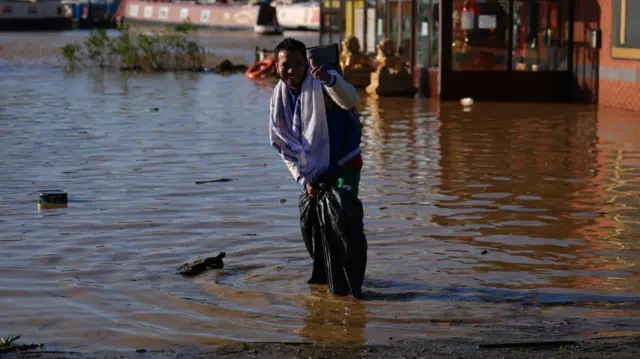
(319, 72)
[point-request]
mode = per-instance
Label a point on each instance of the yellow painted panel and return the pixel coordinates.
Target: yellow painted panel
(349, 16)
(623, 21)
(336, 4)
(632, 54)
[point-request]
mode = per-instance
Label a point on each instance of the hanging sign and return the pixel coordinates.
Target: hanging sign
(424, 29)
(468, 20)
(487, 22)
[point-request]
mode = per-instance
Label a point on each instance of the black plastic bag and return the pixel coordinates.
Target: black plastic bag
(333, 233)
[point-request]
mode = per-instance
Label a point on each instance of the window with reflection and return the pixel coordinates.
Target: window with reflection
(381, 25)
(330, 22)
(480, 36)
(427, 33)
(511, 35)
(541, 35)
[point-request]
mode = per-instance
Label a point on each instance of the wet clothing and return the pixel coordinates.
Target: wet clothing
(348, 178)
(344, 134)
(343, 130)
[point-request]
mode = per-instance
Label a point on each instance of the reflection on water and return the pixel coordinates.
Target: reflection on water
(333, 320)
(482, 222)
(537, 184)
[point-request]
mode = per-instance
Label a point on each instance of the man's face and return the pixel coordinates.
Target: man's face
(291, 66)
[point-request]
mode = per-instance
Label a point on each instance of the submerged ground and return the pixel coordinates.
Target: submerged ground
(507, 223)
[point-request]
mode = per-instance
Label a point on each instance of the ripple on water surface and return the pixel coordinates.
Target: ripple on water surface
(496, 218)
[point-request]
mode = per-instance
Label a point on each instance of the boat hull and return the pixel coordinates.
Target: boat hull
(268, 29)
(229, 17)
(299, 16)
(215, 16)
(94, 15)
(38, 16)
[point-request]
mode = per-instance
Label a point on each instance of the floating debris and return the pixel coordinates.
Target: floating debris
(466, 102)
(227, 67)
(202, 265)
(7, 345)
(215, 180)
(52, 196)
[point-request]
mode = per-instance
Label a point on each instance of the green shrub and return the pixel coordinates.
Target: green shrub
(171, 49)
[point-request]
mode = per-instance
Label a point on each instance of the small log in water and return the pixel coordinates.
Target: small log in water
(7, 345)
(215, 180)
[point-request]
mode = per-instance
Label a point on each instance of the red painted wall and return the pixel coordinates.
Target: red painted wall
(592, 14)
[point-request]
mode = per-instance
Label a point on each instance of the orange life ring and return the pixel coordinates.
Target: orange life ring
(259, 68)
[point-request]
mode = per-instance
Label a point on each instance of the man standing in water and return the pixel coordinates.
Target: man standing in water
(315, 127)
(314, 124)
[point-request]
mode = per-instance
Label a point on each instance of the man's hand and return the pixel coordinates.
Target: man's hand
(319, 72)
(311, 191)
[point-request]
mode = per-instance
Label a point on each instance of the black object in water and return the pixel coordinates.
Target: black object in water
(202, 265)
(215, 180)
(333, 233)
(52, 196)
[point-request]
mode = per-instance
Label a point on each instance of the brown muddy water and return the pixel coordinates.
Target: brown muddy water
(551, 193)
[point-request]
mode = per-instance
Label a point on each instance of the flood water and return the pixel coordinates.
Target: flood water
(551, 193)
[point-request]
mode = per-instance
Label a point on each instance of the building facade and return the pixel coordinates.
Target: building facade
(585, 51)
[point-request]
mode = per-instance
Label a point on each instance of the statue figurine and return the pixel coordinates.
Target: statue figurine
(392, 76)
(387, 58)
(351, 55)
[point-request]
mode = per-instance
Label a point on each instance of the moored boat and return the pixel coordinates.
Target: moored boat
(262, 17)
(268, 29)
(267, 22)
(228, 17)
(92, 13)
(34, 15)
(299, 15)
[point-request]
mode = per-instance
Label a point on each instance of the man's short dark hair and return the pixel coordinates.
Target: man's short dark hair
(290, 44)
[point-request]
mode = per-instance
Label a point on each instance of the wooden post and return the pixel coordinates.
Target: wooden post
(323, 13)
(330, 21)
(430, 24)
(571, 17)
(365, 23)
(446, 36)
(89, 14)
(387, 18)
(341, 21)
(412, 39)
(375, 23)
(399, 24)
(353, 17)
(510, 36)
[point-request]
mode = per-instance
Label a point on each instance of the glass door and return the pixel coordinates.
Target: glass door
(541, 35)
(398, 25)
(427, 33)
(480, 35)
